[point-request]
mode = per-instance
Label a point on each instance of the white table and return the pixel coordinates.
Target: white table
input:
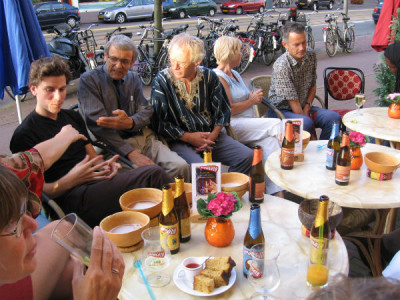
(280, 225)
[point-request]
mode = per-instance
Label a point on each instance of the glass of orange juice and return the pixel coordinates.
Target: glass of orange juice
(318, 271)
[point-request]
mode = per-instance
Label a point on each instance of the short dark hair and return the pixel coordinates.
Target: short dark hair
(12, 194)
(48, 66)
(292, 27)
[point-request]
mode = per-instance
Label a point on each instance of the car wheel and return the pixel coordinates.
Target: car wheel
(315, 6)
(261, 9)
(120, 18)
(330, 5)
(182, 14)
(211, 13)
(71, 21)
(239, 11)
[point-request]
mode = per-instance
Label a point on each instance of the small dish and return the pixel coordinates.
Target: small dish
(187, 287)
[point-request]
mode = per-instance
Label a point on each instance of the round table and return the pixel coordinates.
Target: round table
(280, 224)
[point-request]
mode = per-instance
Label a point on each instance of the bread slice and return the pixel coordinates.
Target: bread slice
(203, 284)
(221, 263)
(220, 277)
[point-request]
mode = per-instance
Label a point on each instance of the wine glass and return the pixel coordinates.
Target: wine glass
(263, 272)
(360, 100)
(156, 257)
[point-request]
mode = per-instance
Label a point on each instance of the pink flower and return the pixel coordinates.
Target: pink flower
(223, 204)
(357, 138)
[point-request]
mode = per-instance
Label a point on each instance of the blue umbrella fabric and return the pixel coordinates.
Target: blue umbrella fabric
(22, 42)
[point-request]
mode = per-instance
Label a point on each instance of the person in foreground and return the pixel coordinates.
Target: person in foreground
(191, 108)
(249, 130)
(392, 59)
(80, 181)
(31, 265)
(112, 103)
(293, 84)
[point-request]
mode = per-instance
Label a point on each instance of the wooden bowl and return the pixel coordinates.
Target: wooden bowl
(188, 191)
(234, 182)
(308, 209)
(138, 200)
(306, 139)
(381, 162)
(129, 235)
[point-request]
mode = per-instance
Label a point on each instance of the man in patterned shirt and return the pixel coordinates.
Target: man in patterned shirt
(293, 84)
(191, 108)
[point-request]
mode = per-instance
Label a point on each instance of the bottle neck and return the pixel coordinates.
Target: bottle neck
(257, 157)
(345, 140)
(289, 131)
(167, 201)
(179, 186)
(255, 221)
(335, 130)
(322, 212)
(207, 156)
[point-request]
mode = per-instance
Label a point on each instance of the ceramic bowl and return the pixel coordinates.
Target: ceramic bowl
(138, 200)
(234, 182)
(306, 139)
(381, 162)
(188, 190)
(125, 228)
(308, 209)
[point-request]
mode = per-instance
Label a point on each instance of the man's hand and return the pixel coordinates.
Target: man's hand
(307, 110)
(113, 166)
(119, 122)
(69, 133)
(89, 170)
(139, 159)
(201, 140)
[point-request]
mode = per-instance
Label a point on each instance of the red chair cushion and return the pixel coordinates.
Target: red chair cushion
(343, 84)
(342, 112)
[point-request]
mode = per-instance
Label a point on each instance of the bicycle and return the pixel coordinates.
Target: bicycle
(88, 45)
(335, 37)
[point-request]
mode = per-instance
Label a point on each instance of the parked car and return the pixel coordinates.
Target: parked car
(189, 8)
(241, 6)
(314, 4)
(377, 12)
(127, 10)
(50, 14)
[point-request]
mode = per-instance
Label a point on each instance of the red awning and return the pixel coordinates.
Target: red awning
(382, 30)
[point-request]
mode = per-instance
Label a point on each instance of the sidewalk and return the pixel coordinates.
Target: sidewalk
(363, 57)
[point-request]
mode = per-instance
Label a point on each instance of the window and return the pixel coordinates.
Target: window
(58, 6)
(43, 8)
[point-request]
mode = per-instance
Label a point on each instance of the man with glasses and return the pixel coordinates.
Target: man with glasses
(191, 108)
(112, 103)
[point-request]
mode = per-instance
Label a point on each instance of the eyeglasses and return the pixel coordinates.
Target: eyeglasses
(182, 65)
(19, 228)
(114, 60)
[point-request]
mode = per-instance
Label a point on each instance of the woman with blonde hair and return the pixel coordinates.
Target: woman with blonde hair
(250, 131)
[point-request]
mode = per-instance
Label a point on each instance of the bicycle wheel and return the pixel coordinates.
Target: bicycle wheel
(268, 51)
(350, 39)
(245, 60)
(310, 40)
(163, 61)
(144, 70)
(331, 43)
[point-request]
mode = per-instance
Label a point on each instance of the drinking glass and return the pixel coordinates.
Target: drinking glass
(156, 257)
(263, 272)
(360, 100)
(74, 235)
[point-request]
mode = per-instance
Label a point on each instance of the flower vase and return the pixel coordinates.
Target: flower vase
(394, 110)
(356, 158)
(219, 232)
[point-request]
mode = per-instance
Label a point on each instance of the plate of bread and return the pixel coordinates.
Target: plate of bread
(217, 277)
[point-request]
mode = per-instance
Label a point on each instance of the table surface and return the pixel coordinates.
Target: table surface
(374, 121)
(280, 225)
(310, 179)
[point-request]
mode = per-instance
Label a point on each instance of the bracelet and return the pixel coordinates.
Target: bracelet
(308, 103)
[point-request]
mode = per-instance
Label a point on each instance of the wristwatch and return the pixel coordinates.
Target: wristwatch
(308, 103)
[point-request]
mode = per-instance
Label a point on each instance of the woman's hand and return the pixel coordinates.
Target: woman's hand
(103, 278)
(256, 97)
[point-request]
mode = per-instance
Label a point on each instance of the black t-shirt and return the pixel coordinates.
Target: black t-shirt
(36, 129)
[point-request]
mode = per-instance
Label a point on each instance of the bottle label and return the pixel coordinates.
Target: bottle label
(259, 189)
(342, 173)
(185, 227)
(319, 250)
(329, 157)
(287, 157)
(246, 260)
(171, 232)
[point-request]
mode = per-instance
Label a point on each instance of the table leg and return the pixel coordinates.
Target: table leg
(379, 141)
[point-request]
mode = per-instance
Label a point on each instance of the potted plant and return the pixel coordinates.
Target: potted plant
(394, 107)
(357, 140)
(218, 208)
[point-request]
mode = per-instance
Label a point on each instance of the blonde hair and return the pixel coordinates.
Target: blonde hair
(194, 44)
(226, 48)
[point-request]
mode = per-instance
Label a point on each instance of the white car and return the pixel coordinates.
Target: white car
(127, 10)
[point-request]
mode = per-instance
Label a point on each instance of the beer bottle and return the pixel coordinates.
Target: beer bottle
(342, 176)
(317, 273)
(168, 219)
(254, 235)
(207, 156)
(287, 151)
(333, 147)
(257, 177)
(182, 209)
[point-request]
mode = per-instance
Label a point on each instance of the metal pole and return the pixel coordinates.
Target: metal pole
(346, 7)
(157, 24)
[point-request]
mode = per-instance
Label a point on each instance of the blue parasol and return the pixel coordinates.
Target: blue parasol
(22, 42)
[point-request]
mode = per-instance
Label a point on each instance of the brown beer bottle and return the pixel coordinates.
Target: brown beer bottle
(254, 235)
(342, 176)
(257, 177)
(287, 151)
(207, 155)
(182, 209)
(169, 222)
